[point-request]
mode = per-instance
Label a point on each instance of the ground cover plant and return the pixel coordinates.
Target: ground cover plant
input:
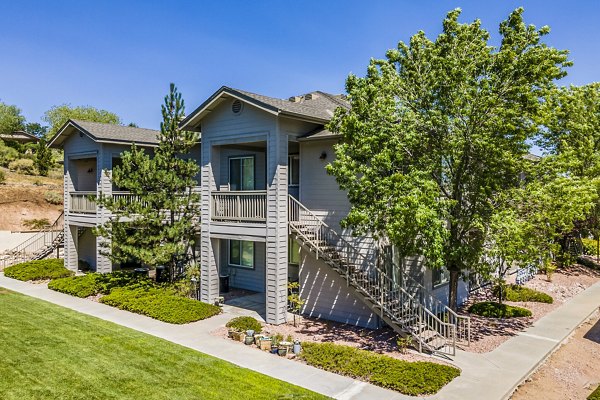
(49, 352)
(243, 324)
(491, 309)
(160, 303)
(595, 395)
(38, 270)
(521, 293)
(411, 378)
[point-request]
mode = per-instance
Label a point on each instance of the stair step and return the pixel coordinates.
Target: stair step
(428, 335)
(437, 343)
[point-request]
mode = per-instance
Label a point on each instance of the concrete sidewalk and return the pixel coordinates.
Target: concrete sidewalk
(491, 376)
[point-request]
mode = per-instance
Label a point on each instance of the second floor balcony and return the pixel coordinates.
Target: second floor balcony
(239, 206)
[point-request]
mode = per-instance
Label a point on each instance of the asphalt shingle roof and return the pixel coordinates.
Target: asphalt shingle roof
(118, 133)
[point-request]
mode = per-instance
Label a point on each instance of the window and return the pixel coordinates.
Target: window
(294, 170)
(241, 253)
(241, 173)
(293, 252)
(439, 276)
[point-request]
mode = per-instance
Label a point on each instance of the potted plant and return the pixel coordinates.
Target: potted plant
(275, 343)
(249, 340)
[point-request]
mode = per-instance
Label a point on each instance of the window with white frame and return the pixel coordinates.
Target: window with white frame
(294, 170)
(241, 253)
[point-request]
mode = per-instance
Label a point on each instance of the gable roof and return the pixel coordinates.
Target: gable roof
(314, 107)
(105, 133)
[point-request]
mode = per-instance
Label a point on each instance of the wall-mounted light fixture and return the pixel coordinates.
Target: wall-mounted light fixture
(323, 156)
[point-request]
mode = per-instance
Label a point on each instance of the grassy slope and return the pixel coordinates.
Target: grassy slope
(49, 352)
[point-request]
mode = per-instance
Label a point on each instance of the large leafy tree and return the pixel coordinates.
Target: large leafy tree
(437, 131)
(572, 140)
(58, 115)
(158, 226)
(11, 119)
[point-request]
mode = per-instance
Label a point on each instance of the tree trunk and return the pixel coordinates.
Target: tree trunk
(453, 289)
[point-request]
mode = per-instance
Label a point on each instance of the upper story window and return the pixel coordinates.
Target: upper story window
(294, 170)
(241, 173)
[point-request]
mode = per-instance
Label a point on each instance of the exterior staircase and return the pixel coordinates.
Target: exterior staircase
(407, 307)
(37, 247)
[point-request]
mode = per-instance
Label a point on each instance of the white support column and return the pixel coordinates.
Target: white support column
(277, 228)
(209, 272)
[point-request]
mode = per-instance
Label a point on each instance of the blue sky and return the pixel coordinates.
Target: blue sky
(121, 55)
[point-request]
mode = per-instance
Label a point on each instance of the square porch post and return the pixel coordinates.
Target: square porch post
(277, 228)
(209, 274)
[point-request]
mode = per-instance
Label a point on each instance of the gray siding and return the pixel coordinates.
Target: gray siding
(327, 296)
(242, 278)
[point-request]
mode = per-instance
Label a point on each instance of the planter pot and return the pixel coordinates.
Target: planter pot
(238, 336)
(249, 340)
(297, 348)
(274, 349)
(249, 332)
(265, 344)
(282, 351)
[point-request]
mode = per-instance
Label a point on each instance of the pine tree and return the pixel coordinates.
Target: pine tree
(43, 157)
(156, 225)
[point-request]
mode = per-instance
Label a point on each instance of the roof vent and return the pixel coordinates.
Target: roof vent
(310, 96)
(295, 99)
(237, 106)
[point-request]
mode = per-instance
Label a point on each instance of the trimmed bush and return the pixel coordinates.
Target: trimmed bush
(411, 378)
(38, 270)
(521, 293)
(243, 324)
(160, 303)
(95, 283)
(595, 395)
(79, 286)
(7, 154)
(491, 309)
(22, 166)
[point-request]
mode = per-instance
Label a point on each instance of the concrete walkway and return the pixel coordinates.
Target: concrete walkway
(484, 376)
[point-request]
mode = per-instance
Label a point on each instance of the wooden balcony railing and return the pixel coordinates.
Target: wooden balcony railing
(82, 202)
(241, 206)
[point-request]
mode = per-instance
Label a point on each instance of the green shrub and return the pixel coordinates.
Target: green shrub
(95, 283)
(36, 224)
(491, 309)
(38, 270)
(243, 324)
(590, 247)
(79, 286)
(522, 293)
(411, 378)
(595, 395)
(22, 166)
(161, 304)
(53, 197)
(2, 178)
(7, 154)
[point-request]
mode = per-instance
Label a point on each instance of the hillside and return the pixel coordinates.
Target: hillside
(26, 197)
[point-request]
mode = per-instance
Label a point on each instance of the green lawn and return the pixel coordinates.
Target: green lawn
(50, 352)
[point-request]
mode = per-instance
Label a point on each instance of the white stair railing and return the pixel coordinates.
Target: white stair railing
(38, 246)
(435, 327)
